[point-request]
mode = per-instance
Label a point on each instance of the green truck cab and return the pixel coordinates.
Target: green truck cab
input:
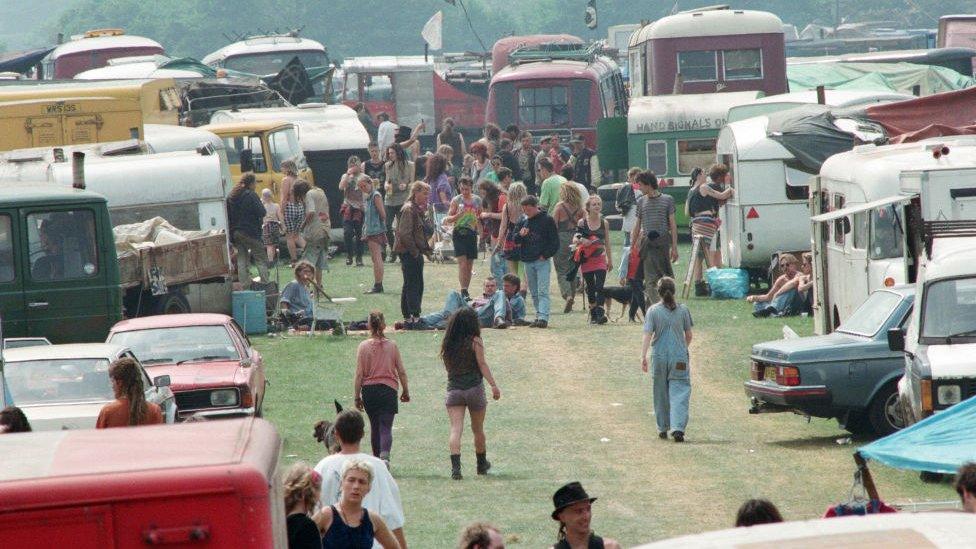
(59, 274)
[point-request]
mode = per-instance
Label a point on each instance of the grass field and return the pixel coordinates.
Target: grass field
(575, 406)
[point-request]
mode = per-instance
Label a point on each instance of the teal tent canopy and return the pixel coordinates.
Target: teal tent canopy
(901, 77)
(940, 443)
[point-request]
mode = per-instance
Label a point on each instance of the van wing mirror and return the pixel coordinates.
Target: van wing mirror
(896, 339)
(847, 224)
(247, 160)
(161, 381)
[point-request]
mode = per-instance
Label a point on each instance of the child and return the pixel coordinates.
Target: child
(271, 227)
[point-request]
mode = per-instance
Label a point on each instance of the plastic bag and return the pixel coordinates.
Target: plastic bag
(728, 283)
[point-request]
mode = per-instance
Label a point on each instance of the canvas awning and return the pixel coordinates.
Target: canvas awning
(940, 443)
(857, 208)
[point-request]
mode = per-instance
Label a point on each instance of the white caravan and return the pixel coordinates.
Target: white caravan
(328, 135)
(858, 220)
(163, 138)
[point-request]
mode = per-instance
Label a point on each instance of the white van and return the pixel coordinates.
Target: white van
(185, 188)
(858, 215)
(328, 135)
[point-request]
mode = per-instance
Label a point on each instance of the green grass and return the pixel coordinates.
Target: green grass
(575, 406)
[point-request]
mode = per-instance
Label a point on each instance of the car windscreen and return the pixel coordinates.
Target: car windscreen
(181, 344)
(871, 315)
(949, 311)
(263, 64)
(60, 381)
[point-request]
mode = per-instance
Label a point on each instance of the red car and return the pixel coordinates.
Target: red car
(214, 370)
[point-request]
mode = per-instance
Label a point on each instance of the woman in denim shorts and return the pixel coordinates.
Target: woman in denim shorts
(464, 358)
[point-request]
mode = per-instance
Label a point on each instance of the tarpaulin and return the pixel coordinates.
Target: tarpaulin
(940, 443)
(955, 108)
(810, 134)
(933, 130)
(22, 61)
(900, 77)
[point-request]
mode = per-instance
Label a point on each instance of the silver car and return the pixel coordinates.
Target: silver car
(66, 386)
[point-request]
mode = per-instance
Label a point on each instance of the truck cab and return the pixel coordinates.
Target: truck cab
(260, 146)
(58, 268)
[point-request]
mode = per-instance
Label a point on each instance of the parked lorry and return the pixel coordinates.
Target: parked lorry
(213, 484)
(60, 275)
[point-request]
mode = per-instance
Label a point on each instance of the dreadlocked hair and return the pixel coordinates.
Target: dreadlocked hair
(126, 372)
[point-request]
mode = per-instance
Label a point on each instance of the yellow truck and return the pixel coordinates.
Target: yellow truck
(260, 147)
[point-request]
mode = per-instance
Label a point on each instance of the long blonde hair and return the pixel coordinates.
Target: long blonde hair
(570, 195)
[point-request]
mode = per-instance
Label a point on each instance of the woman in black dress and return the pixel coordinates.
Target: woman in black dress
(302, 485)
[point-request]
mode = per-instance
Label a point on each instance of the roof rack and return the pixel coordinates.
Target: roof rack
(550, 52)
(956, 228)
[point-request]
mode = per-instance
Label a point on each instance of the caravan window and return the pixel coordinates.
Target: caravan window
(886, 233)
(695, 153)
(742, 64)
(839, 236)
(6, 250)
(62, 245)
(657, 157)
(697, 66)
(859, 230)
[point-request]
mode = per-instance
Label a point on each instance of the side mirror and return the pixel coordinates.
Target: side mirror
(896, 339)
(161, 381)
(847, 225)
(247, 160)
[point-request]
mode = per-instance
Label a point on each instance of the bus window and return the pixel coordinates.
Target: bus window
(377, 87)
(543, 106)
(695, 153)
(698, 66)
(742, 64)
(839, 236)
(886, 233)
(657, 157)
(859, 230)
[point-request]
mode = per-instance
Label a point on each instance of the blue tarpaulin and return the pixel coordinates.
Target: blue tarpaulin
(940, 443)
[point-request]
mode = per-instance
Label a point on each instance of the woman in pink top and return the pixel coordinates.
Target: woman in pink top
(379, 374)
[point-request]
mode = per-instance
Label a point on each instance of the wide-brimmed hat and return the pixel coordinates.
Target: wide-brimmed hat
(567, 495)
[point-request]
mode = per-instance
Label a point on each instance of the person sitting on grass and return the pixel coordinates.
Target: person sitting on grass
(296, 300)
(757, 511)
(384, 494)
(495, 308)
(573, 511)
(966, 486)
(790, 294)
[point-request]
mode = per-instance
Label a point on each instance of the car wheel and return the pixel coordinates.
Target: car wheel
(171, 304)
(884, 413)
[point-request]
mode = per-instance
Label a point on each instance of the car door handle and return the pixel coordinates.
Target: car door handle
(38, 305)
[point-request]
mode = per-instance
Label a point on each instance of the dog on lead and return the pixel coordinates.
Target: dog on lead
(630, 298)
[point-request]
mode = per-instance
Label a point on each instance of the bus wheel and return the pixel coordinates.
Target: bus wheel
(171, 304)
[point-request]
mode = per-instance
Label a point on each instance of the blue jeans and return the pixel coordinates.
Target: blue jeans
(788, 303)
(537, 276)
(672, 390)
(487, 313)
(498, 267)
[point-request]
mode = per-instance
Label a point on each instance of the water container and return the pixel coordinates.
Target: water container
(248, 308)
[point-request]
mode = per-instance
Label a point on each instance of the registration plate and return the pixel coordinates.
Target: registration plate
(770, 373)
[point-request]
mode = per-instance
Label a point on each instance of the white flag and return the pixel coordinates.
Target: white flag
(432, 31)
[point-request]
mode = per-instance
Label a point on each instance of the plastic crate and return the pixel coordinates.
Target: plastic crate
(249, 311)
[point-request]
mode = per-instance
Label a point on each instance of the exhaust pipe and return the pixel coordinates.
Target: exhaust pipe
(78, 170)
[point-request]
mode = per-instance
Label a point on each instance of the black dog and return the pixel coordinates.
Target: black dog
(631, 299)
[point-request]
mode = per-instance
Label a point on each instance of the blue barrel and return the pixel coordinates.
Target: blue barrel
(248, 310)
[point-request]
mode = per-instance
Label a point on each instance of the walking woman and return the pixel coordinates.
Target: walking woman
(349, 525)
(129, 407)
(399, 173)
(464, 215)
(593, 246)
(441, 191)
(301, 486)
(493, 200)
(294, 210)
(379, 374)
(452, 168)
(511, 214)
(412, 244)
(667, 330)
(567, 214)
(374, 228)
(481, 163)
(463, 353)
(352, 211)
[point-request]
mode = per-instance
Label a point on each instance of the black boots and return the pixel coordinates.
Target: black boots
(598, 315)
(456, 467)
(702, 289)
(483, 463)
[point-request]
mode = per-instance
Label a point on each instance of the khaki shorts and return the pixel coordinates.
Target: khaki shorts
(473, 398)
(317, 253)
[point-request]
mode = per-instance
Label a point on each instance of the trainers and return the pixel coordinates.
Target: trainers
(348, 261)
(678, 436)
(663, 435)
(500, 324)
(376, 289)
(539, 324)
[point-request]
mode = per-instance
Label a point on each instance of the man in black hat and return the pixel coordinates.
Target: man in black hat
(572, 510)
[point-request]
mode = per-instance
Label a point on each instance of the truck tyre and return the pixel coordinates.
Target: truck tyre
(884, 414)
(171, 304)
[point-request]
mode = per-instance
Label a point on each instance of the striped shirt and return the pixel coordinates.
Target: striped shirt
(652, 213)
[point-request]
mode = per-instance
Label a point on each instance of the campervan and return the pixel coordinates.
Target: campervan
(93, 50)
(858, 217)
(162, 138)
(671, 135)
(709, 50)
(328, 136)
